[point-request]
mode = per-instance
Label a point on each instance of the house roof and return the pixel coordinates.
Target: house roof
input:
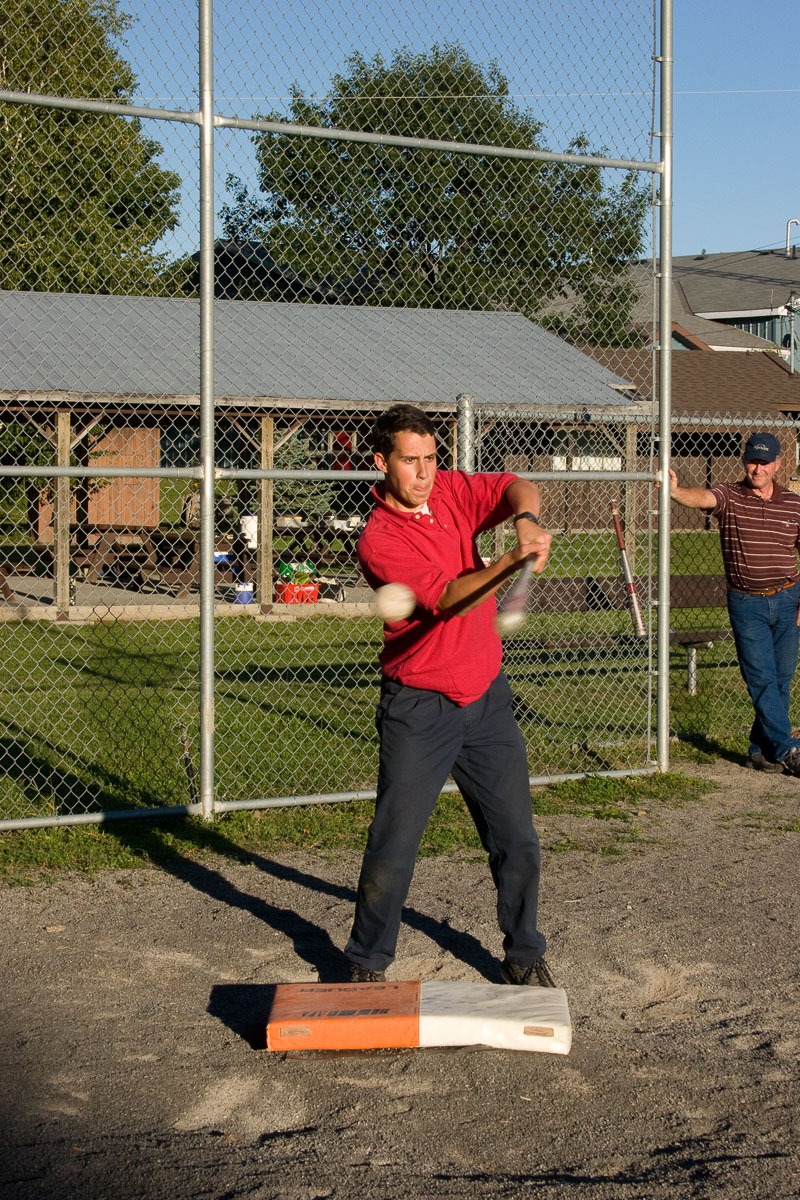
(114, 346)
(748, 281)
(742, 283)
(753, 385)
(713, 334)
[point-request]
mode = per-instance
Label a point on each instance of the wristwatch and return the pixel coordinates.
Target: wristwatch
(528, 517)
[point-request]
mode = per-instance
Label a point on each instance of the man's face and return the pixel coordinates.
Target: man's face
(761, 474)
(410, 470)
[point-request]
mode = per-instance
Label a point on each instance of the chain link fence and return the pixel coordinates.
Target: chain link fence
(211, 282)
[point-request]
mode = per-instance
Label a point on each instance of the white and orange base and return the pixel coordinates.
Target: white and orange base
(384, 1016)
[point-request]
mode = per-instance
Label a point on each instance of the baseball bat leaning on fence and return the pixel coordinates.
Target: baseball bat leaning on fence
(511, 612)
(633, 600)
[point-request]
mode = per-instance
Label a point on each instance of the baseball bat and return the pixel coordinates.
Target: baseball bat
(633, 600)
(511, 612)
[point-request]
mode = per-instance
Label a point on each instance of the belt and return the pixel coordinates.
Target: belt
(767, 591)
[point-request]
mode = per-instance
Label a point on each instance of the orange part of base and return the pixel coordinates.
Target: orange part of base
(344, 1016)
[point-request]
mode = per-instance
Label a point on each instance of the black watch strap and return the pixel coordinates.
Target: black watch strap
(528, 516)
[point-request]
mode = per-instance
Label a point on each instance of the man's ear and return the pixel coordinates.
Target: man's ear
(380, 462)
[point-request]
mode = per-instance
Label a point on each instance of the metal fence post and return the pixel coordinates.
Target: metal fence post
(465, 426)
(266, 510)
(665, 389)
(61, 514)
(207, 455)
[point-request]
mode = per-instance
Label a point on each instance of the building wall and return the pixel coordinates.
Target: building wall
(129, 502)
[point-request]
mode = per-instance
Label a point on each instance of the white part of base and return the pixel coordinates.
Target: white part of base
(499, 1015)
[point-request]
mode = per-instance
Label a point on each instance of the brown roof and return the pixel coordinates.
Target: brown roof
(751, 383)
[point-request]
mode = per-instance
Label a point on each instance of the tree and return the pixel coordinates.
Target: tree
(311, 498)
(387, 225)
(21, 441)
(82, 198)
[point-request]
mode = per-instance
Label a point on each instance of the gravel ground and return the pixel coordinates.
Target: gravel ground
(135, 1006)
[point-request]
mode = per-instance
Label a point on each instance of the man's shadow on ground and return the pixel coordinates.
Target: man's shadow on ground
(30, 762)
(244, 1007)
(708, 745)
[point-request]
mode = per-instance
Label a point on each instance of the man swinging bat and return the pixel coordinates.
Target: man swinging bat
(445, 705)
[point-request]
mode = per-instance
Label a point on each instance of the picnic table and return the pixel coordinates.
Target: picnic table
(162, 557)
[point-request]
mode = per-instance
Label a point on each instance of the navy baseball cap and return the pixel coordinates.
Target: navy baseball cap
(762, 447)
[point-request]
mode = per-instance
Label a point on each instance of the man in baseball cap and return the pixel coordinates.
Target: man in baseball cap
(759, 526)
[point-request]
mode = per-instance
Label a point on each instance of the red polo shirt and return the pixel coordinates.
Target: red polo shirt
(458, 656)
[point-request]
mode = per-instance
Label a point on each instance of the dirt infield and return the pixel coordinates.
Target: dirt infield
(134, 1009)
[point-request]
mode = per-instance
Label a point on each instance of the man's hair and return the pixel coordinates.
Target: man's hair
(400, 418)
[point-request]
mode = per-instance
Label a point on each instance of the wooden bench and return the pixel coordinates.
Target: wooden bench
(608, 593)
(696, 592)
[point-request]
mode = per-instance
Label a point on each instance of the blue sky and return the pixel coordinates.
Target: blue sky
(735, 78)
(737, 101)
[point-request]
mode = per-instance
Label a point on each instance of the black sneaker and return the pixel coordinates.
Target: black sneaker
(359, 974)
(759, 762)
(790, 762)
(536, 975)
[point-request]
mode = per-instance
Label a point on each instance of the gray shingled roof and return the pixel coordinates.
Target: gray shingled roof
(743, 282)
(122, 345)
(712, 333)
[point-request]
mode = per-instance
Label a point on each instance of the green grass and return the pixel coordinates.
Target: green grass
(172, 493)
(43, 855)
(692, 552)
(605, 798)
(91, 717)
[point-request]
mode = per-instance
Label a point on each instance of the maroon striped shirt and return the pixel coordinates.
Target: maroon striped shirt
(759, 538)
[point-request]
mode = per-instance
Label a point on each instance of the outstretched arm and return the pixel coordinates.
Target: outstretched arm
(465, 593)
(691, 497)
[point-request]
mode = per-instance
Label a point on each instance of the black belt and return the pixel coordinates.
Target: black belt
(767, 591)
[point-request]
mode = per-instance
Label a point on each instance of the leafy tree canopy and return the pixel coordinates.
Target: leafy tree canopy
(398, 226)
(83, 199)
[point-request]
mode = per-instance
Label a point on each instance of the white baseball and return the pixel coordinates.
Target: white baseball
(394, 602)
(509, 623)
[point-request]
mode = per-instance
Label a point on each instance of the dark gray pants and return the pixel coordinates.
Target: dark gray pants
(424, 738)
